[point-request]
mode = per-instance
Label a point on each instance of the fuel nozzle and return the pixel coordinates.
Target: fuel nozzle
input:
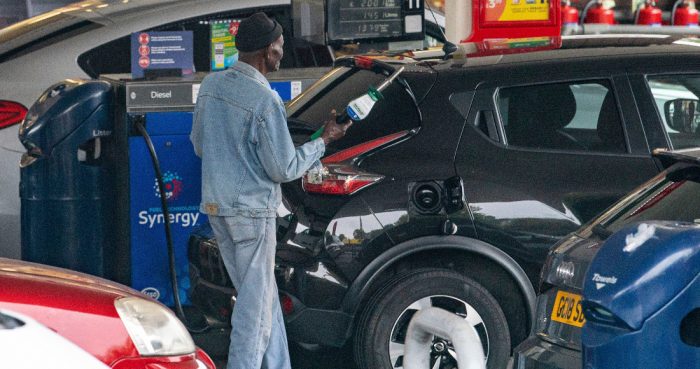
(359, 108)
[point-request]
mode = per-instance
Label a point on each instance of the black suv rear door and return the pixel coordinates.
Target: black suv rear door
(540, 158)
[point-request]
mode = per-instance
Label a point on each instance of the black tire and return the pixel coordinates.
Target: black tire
(386, 315)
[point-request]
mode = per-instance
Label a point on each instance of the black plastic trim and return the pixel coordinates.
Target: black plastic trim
(319, 326)
(360, 287)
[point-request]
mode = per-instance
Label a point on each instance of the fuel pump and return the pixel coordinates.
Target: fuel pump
(648, 14)
(684, 14)
(64, 176)
(597, 12)
(108, 170)
(89, 199)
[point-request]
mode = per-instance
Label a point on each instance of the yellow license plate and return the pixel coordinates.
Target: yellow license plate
(567, 309)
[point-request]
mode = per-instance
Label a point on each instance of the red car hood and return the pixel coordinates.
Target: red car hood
(80, 307)
(27, 271)
(77, 306)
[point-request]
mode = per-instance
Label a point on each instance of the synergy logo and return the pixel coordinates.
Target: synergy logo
(173, 186)
(185, 215)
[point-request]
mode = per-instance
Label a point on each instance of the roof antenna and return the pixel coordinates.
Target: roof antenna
(448, 48)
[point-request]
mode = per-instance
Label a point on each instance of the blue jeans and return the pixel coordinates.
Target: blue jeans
(258, 338)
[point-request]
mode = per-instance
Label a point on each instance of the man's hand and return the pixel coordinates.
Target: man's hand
(333, 131)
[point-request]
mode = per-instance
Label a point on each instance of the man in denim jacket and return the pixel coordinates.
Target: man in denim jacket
(240, 132)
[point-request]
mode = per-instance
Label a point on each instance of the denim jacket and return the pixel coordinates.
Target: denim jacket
(240, 132)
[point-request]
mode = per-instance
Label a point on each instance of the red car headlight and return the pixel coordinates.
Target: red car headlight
(154, 329)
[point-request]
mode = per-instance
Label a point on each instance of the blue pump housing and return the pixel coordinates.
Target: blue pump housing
(62, 109)
(641, 299)
(169, 132)
(64, 207)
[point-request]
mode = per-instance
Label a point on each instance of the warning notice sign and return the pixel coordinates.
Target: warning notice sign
(161, 50)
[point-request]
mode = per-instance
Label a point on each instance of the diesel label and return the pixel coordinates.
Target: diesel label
(161, 95)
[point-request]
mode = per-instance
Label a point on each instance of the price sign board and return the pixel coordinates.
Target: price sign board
(499, 12)
(375, 20)
(509, 19)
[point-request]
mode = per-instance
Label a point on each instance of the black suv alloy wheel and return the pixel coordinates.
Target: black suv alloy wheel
(381, 330)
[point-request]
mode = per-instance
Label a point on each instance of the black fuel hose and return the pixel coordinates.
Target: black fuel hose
(168, 234)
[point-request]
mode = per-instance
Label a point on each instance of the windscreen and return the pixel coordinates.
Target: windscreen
(393, 113)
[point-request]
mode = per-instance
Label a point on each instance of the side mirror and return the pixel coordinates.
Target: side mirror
(682, 115)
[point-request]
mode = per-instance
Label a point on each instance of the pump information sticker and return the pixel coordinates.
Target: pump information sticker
(195, 92)
(223, 44)
(287, 90)
(516, 10)
(567, 309)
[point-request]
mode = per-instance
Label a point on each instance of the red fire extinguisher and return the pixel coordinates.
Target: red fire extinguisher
(684, 14)
(648, 14)
(596, 12)
(569, 14)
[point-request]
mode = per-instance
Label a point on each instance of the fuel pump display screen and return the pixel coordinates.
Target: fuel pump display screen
(375, 20)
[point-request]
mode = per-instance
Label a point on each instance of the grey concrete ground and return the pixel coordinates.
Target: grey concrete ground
(312, 359)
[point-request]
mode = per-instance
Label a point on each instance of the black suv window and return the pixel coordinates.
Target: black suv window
(677, 100)
(114, 56)
(395, 112)
(580, 116)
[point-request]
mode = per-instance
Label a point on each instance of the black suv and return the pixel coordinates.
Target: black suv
(454, 188)
(555, 342)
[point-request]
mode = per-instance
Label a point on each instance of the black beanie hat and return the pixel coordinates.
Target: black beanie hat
(257, 32)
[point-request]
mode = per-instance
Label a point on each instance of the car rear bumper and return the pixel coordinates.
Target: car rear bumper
(535, 353)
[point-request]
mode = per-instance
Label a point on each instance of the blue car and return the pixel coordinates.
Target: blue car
(555, 340)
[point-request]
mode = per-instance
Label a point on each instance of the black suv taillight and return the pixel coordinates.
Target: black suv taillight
(339, 174)
(11, 113)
